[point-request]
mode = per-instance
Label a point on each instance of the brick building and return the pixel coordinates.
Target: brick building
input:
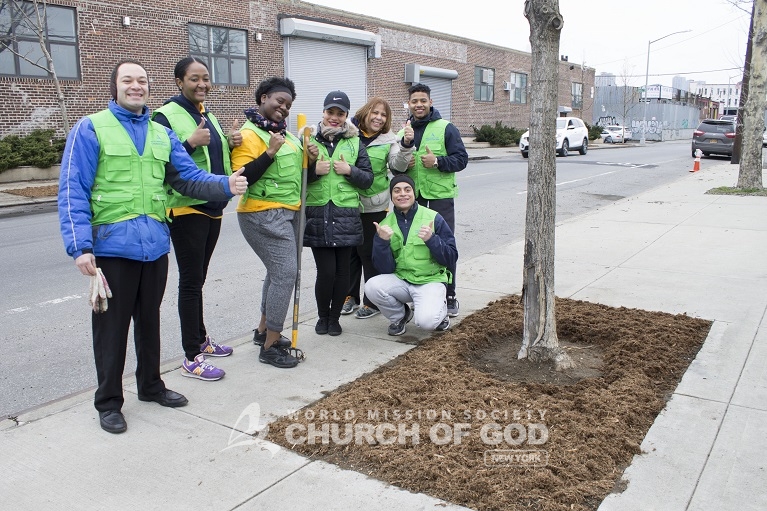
(321, 49)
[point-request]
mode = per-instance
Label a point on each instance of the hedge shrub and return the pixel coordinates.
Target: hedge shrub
(500, 135)
(38, 149)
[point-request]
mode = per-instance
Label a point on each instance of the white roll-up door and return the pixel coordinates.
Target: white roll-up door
(441, 94)
(318, 67)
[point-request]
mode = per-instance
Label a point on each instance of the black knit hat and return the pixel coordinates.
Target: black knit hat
(399, 178)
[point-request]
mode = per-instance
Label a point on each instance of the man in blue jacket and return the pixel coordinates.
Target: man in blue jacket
(111, 204)
(439, 154)
(413, 249)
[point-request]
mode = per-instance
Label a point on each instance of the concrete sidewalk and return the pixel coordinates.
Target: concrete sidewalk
(672, 249)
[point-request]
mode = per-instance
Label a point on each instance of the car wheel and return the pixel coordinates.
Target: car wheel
(608, 140)
(584, 146)
(706, 154)
(524, 154)
(565, 147)
(693, 153)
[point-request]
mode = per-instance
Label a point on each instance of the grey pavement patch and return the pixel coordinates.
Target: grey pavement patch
(717, 368)
(315, 487)
(751, 390)
(736, 470)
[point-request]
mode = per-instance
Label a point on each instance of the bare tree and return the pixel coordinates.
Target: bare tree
(629, 96)
(540, 342)
(750, 170)
(31, 17)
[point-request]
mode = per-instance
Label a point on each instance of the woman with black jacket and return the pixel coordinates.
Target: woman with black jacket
(339, 168)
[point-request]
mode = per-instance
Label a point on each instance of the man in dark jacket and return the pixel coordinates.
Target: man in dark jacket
(413, 249)
(439, 154)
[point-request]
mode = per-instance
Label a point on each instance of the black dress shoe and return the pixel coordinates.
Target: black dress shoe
(166, 398)
(112, 421)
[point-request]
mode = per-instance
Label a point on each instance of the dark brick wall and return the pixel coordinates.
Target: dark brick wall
(157, 37)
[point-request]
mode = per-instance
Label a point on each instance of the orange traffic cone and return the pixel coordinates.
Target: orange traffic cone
(696, 165)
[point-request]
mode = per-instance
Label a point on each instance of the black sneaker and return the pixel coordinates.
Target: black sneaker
(398, 328)
(277, 357)
(322, 326)
(334, 327)
(452, 306)
(259, 338)
(444, 325)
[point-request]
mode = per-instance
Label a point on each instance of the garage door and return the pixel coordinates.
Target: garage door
(441, 94)
(318, 67)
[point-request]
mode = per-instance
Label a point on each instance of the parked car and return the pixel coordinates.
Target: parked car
(572, 133)
(714, 136)
(728, 117)
(613, 134)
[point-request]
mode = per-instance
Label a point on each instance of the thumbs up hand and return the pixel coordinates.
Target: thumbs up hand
(426, 231)
(341, 167)
(409, 133)
(238, 184)
(323, 166)
(429, 160)
(384, 231)
(200, 136)
(235, 137)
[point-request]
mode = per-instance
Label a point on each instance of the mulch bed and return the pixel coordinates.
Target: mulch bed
(35, 191)
(579, 428)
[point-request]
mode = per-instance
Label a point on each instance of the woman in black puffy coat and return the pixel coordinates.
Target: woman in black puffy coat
(338, 168)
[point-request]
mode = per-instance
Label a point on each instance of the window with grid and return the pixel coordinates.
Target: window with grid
(483, 84)
(20, 51)
(518, 93)
(577, 95)
(225, 50)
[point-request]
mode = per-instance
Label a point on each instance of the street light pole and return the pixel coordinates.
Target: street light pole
(646, 83)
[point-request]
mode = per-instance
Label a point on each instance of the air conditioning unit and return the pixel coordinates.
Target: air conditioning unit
(509, 86)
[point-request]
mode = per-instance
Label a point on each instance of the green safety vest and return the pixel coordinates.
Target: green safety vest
(128, 185)
(431, 183)
(335, 187)
(282, 180)
(379, 159)
(414, 262)
(183, 125)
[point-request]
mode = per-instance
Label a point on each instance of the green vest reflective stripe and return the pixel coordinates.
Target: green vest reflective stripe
(128, 185)
(414, 262)
(183, 125)
(431, 183)
(282, 180)
(379, 159)
(335, 187)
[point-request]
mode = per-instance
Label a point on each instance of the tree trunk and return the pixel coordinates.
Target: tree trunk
(540, 341)
(736, 146)
(750, 172)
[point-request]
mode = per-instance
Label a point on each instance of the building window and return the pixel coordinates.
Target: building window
(518, 88)
(225, 50)
(20, 52)
(577, 95)
(483, 84)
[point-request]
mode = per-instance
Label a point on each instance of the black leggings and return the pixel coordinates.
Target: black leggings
(332, 279)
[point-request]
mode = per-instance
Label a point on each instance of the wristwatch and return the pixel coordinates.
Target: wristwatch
(436, 163)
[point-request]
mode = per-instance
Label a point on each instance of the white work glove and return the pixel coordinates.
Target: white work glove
(99, 292)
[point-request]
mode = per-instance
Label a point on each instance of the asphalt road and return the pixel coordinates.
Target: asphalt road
(44, 316)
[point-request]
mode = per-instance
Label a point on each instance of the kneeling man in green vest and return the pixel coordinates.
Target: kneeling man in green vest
(412, 249)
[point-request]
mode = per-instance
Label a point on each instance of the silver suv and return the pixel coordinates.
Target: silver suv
(714, 136)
